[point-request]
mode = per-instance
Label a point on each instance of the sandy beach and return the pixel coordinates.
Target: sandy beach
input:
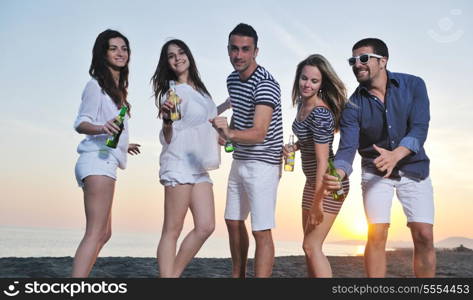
(457, 262)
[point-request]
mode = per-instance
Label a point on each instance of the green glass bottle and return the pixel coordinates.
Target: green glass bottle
(229, 146)
(112, 141)
(337, 195)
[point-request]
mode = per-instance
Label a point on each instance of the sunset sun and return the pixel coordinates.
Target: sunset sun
(355, 228)
(359, 228)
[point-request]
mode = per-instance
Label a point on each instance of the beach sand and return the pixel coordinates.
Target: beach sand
(450, 263)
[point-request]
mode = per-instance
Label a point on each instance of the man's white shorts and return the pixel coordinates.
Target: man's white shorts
(416, 198)
(252, 188)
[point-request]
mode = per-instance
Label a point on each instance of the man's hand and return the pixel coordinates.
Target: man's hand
(332, 183)
(221, 140)
(387, 159)
(221, 125)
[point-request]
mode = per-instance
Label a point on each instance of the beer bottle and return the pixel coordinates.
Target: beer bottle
(337, 195)
(291, 157)
(175, 113)
(112, 141)
(229, 146)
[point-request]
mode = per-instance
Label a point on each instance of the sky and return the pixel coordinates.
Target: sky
(45, 51)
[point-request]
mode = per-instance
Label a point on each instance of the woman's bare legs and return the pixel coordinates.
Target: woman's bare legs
(199, 198)
(203, 213)
(176, 202)
(317, 263)
(98, 198)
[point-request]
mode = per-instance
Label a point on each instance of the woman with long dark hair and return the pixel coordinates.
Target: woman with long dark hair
(320, 97)
(102, 99)
(189, 150)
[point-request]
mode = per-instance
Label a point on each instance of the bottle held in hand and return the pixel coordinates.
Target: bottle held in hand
(175, 113)
(229, 146)
(291, 157)
(112, 141)
(340, 194)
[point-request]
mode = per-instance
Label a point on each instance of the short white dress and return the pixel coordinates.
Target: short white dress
(194, 148)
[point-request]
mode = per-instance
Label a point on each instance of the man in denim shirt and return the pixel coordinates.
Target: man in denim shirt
(387, 122)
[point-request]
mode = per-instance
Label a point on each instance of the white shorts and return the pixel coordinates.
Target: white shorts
(95, 163)
(416, 198)
(252, 187)
(172, 178)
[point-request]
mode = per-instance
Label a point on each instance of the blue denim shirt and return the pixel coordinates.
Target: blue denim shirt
(402, 120)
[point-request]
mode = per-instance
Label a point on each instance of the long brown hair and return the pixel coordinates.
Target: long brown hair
(100, 71)
(333, 91)
(164, 73)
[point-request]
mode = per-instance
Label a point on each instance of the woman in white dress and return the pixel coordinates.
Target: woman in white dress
(97, 165)
(189, 150)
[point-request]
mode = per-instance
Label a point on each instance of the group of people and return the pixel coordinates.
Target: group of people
(385, 119)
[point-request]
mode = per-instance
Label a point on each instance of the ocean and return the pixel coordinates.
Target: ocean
(45, 242)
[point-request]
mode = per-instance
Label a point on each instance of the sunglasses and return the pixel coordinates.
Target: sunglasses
(364, 58)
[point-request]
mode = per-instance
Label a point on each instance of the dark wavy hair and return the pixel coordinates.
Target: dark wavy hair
(333, 91)
(100, 71)
(164, 73)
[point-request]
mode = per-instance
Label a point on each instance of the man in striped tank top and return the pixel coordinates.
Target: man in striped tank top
(256, 133)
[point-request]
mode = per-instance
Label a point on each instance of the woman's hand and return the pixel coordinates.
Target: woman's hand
(166, 109)
(110, 127)
(316, 216)
(134, 149)
(286, 149)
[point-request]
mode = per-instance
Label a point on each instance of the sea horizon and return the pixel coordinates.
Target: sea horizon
(16, 241)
